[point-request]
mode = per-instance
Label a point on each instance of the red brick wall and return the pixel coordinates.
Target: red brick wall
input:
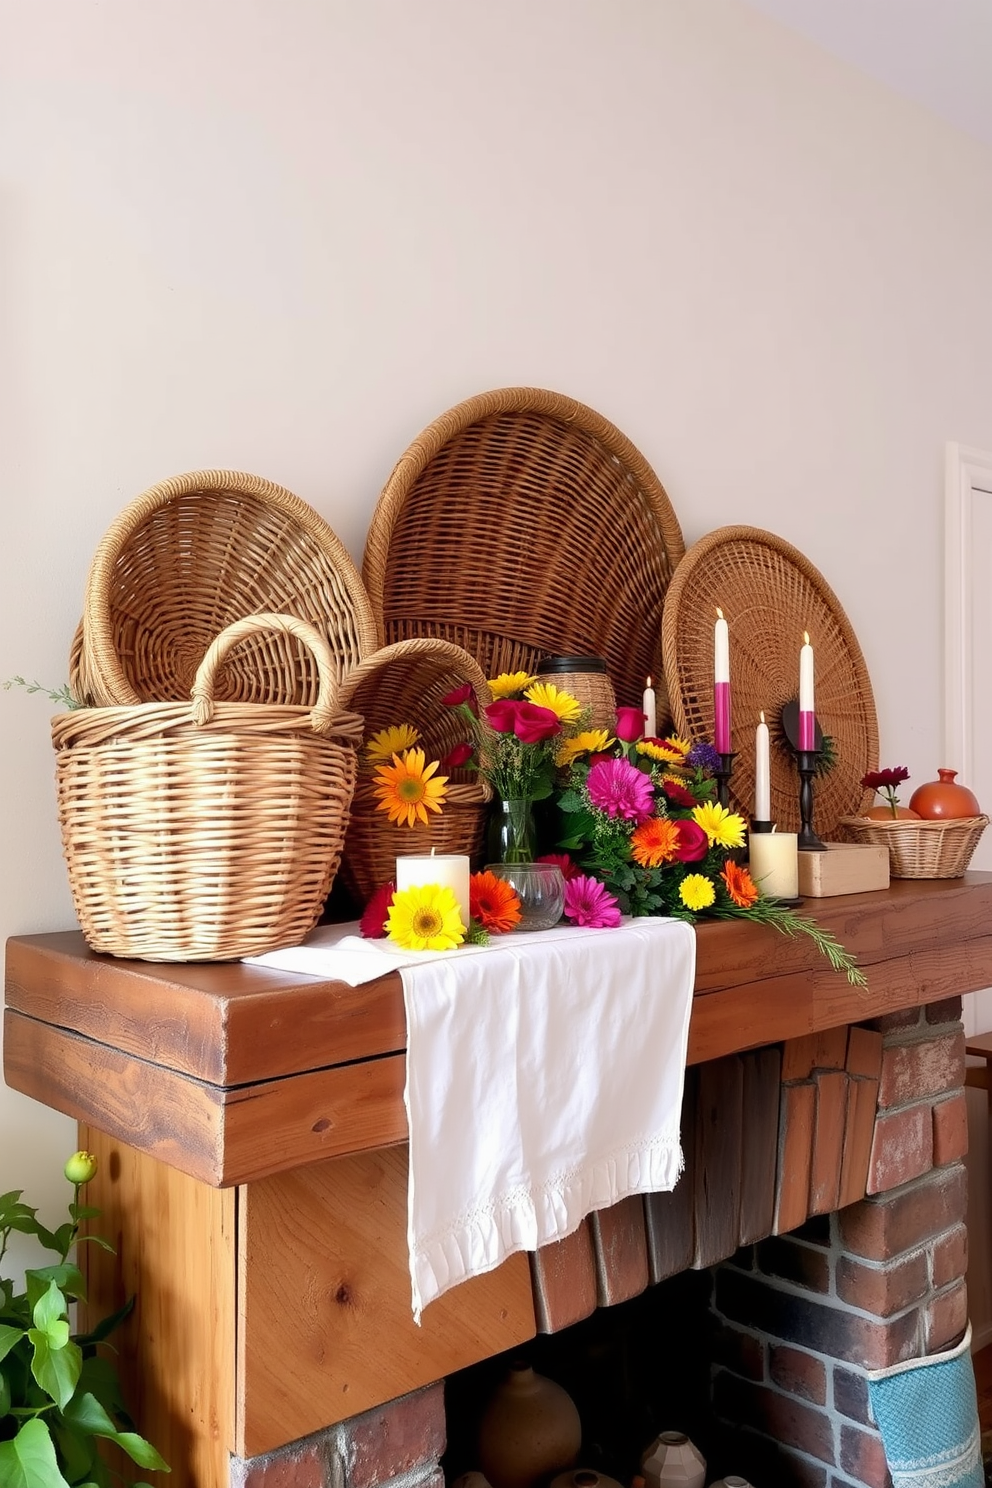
(800, 1317)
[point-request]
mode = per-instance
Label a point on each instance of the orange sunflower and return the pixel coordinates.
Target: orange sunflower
(493, 902)
(406, 790)
(740, 885)
(654, 842)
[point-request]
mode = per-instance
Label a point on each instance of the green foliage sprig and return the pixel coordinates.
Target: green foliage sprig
(62, 695)
(59, 1395)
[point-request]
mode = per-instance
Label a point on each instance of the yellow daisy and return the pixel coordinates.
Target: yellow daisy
(390, 741)
(657, 749)
(590, 741)
(696, 891)
(723, 828)
(561, 703)
(405, 789)
(425, 918)
(508, 683)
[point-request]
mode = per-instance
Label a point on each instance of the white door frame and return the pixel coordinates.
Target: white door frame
(968, 479)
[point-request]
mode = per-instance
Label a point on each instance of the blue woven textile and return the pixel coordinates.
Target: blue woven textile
(927, 1413)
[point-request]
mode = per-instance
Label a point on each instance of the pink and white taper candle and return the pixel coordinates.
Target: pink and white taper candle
(807, 710)
(721, 685)
(762, 773)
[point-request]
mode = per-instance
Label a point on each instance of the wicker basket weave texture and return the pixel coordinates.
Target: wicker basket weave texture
(920, 849)
(206, 832)
(196, 553)
(521, 524)
(770, 594)
(404, 683)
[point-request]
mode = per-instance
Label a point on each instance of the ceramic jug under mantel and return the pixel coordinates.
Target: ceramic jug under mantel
(944, 799)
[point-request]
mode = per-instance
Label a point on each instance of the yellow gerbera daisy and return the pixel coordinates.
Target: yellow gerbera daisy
(405, 789)
(723, 828)
(507, 683)
(696, 891)
(561, 703)
(425, 918)
(389, 741)
(590, 741)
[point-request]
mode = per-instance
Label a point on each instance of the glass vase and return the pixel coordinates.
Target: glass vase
(512, 837)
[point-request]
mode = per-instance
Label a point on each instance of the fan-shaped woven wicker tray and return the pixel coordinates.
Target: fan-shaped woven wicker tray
(404, 683)
(770, 593)
(522, 523)
(196, 553)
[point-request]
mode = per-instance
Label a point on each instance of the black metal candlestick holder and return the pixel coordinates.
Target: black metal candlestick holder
(807, 760)
(723, 775)
(761, 826)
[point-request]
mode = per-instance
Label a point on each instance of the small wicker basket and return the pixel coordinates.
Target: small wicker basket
(920, 849)
(206, 832)
(404, 683)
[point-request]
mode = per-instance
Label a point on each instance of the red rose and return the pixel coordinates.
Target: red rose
(693, 841)
(630, 725)
(502, 715)
(458, 695)
(458, 756)
(533, 724)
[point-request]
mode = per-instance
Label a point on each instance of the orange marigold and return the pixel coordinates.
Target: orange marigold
(654, 842)
(493, 902)
(740, 885)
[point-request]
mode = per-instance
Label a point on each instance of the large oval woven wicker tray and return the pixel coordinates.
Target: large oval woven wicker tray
(522, 523)
(770, 594)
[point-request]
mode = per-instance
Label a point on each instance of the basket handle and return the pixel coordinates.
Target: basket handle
(202, 692)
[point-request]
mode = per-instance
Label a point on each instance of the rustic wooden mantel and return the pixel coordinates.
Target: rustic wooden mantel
(230, 1072)
(249, 1127)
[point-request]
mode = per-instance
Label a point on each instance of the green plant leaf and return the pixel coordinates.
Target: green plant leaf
(4, 1395)
(106, 1325)
(8, 1338)
(57, 1360)
(29, 1460)
(67, 1277)
(87, 1414)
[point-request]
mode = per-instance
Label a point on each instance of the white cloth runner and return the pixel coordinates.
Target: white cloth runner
(544, 1080)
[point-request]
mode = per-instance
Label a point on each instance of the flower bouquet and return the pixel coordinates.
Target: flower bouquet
(642, 819)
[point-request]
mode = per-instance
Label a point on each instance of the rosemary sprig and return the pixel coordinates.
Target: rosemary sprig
(62, 696)
(790, 923)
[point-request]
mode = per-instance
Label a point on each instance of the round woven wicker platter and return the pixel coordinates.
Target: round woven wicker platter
(196, 553)
(770, 594)
(521, 524)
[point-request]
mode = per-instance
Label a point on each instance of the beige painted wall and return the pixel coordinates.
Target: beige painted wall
(284, 234)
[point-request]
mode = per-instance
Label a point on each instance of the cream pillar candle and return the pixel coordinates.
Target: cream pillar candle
(446, 869)
(774, 863)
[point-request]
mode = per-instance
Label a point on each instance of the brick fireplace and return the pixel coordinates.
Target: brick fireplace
(819, 1229)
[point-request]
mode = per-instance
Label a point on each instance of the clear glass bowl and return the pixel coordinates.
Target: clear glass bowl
(540, 887)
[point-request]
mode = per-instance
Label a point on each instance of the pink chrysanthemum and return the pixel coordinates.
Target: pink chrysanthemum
(590, 903)
(562, 861)
(618, 788)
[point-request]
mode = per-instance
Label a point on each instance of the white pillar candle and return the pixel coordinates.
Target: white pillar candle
(762, 773)
(649, 709)
(721, 684)
(449, 870)
(774, 863)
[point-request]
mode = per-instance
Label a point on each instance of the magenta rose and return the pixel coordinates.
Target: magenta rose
(630, 724)
(693, 841)
(502, 715)
(533, 724)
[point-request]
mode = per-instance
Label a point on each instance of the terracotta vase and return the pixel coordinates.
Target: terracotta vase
(529, 1432)
(944, 799)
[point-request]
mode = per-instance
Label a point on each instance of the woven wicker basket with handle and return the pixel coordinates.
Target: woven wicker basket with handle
(404, 683)
(194, 554)
(521, 524)
(211, 830)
